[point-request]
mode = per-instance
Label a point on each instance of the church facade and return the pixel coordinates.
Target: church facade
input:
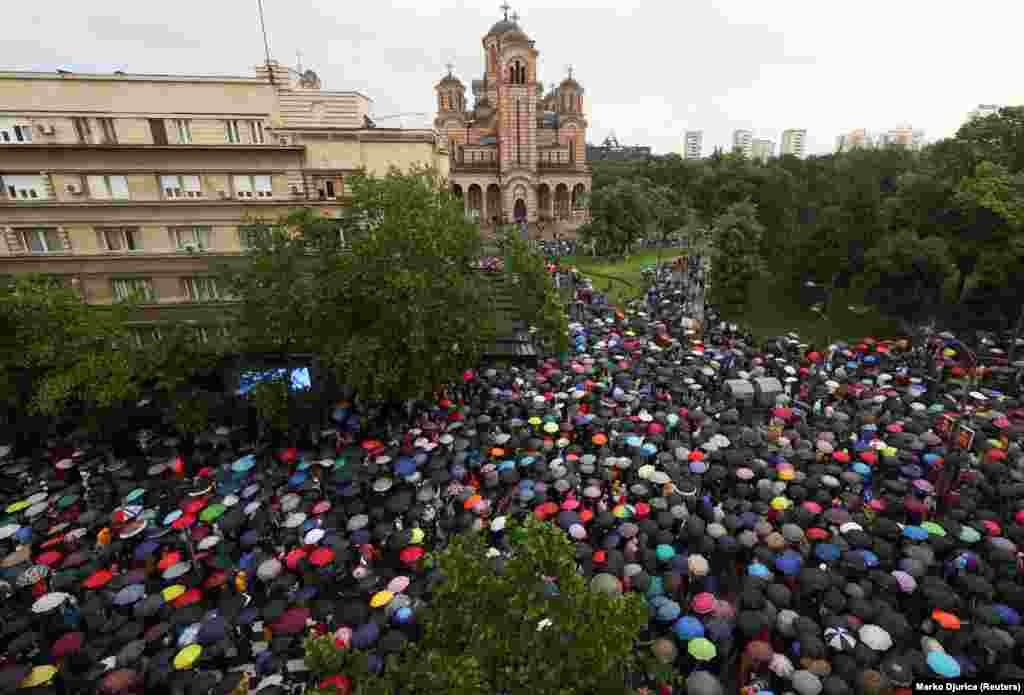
(518, 154)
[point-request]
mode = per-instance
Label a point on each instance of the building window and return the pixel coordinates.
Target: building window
(108, 130)
(144, 336)
(191, 238)
(120, 239)
(199, 289)
(256, 132)
(43, 240)
(14, 131)
(182, 129)
(83, 130)
(181, 186)
(159, 131)
(25, 186)
(232, 132)
(108, 187)
(127, 289)
(254, 186)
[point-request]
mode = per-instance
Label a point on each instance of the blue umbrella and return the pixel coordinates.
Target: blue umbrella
(870, 559)
(718, 630)
(1007, 615)
(688, 628)
(145, 550)
(244, 464)
(297, 480)
(404, 467)
(861, 468)
(789, 563)
(827, 552)
(250, 538)
(915, 533)
(759, 570)
(655, 588)
(943, 664)
(668, 612)
(212, 631)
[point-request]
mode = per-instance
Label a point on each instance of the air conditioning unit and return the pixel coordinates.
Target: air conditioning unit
(47, 129)
(74, 189)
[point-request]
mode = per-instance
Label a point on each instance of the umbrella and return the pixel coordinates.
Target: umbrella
(875, 637)
(701, 649)
(840, 639)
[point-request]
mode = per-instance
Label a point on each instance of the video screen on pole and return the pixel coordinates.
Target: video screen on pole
(299, 379)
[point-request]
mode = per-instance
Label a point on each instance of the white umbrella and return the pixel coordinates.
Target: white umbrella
(806, 683)
(875, 637)
(781, 666)
(840, 639)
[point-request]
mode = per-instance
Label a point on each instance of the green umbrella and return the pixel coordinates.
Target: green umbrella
(969, 534)
(212, 513)
(933, 529)
(135, 494)
(701, 649)
(66, 501)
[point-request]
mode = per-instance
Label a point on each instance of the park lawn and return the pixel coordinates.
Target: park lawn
(772, 310)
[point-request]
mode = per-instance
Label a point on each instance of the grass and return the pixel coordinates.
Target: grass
(772, 310)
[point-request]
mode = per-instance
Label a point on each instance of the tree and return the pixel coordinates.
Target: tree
(535, 294)
(735, 261)
(998, 138)
(512, 631)
(396, 314)
(620, 214)
(904, 275)
(56, 352)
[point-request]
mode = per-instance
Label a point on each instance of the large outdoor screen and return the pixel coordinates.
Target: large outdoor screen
(299, 378)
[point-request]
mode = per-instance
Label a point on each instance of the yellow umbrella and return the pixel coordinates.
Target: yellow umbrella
(550, 427)
(18, 506)
(381, 599)
(417, 536)
(187, 657)
(786, 474)
(173, 592)
(620, 511)
(40, 675)
(780, 504)
(534, 421)
(949, 352)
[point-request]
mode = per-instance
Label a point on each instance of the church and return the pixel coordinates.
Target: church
(519, 154)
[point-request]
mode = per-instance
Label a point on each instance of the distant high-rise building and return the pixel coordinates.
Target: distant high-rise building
(862, 138)
(762, 149)
(983, 110)
(742, 142)
(693, 144)
(794, 142)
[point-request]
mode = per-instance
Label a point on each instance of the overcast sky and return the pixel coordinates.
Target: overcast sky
(650, 69)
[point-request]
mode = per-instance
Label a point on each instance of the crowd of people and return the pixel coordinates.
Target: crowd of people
(841, 519)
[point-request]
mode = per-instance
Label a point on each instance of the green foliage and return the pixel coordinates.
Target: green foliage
(272, 400)
(535, 293)
(907, 273)
(394, 315)
(587, 648)
(735, 259)
(55, 351)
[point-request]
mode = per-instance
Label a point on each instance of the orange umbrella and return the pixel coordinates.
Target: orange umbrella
(946, 620)
(600, 439)
(472, 502)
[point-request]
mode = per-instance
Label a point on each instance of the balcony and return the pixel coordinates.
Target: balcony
(225, 146)
(474, 167)
(563, 166)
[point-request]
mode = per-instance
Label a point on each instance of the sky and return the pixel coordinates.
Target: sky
(651, 70)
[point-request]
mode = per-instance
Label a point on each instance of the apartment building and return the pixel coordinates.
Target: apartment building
(136, 185)
(794, 142)
(743, 142)
(762, 149)
(693, 144)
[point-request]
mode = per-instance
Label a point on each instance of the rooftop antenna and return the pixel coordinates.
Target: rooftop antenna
(266, 44)
(569, 68)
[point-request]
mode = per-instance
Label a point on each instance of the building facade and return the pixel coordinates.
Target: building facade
(794, 142)
(612, 151)
(762, 149)
(517, 155)
(128, 185)
(743, 142)
(693, 144)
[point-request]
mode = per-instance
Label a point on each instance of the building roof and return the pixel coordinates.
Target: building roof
(503, 26)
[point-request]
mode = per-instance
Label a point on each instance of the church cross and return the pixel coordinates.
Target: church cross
(506, 7)
(449, 66)
(570, 71)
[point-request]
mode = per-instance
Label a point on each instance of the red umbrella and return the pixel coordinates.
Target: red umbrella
(812, 507)
(169, 559)
(217, 579)
(841, 456)
(188, 598)
(49, 558)
(992, 527)
(696, 455)
(99, 579)
(183, 522)
(322, 557)
(869, 457)
(292, 622)
(194, 506)
(339, 683)
(289, 455)
(411, 554)
(67, 644)
(817, 534)
(814, 356)
(294, 558)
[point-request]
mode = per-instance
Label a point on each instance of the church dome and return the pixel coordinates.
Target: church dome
(504, 26)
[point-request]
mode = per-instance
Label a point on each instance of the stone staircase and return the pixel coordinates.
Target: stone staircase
(513, 342)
